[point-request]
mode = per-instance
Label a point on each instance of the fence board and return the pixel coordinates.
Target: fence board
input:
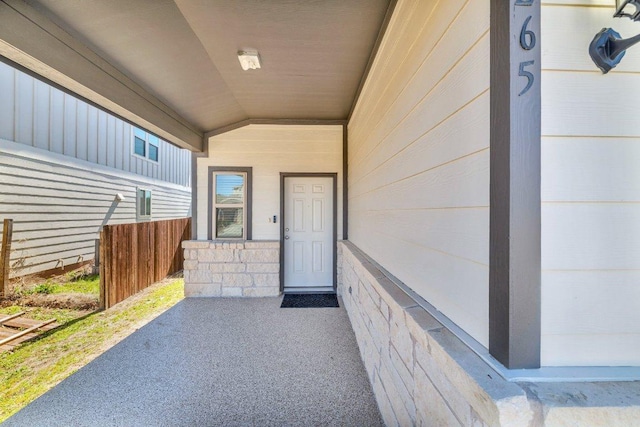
(5, 254)
(133, 256)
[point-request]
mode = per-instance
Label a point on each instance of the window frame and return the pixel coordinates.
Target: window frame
(247, 204)
(147, 215)
(147, 143)
(135, 146)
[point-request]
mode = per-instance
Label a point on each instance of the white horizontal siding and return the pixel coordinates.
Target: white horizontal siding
(419, 157)
(58, 205)
(269, 150)
(590, 192)
(38, 115)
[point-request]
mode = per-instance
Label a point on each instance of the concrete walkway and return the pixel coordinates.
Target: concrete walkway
(220, 362)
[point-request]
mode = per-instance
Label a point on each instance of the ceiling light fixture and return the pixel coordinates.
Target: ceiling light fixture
(249, 59)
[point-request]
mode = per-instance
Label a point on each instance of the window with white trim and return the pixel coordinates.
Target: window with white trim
(229, 205)
(144, 203)
(145, 144)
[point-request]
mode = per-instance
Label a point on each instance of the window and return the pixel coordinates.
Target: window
(144, 203)
(140, 147)
(145, 144)
(230, 203)
(154, 142)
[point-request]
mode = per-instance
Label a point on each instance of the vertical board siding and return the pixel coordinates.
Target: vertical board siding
(82, 131)
(56, 121)
(590, 192)
(102, 138)
(7, 103)
(269, 150)
(51, 144)
(70, 126)
(24, 109)
(92, 134)
(59, 205)
(419, 157)
(135, 256)
(36, 114)
(41, 115)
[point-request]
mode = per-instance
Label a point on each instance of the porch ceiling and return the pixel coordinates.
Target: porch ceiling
(183, 52)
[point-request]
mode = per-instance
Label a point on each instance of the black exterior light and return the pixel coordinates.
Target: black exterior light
(622, 11)
(608, 47)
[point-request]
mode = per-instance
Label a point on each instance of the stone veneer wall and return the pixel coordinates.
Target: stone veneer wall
(407, 354)
(231, 269)
(422, 374)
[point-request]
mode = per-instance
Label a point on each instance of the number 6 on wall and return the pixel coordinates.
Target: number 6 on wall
(527, 34)
(524, 73)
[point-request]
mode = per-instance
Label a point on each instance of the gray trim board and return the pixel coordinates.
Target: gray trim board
(194, 185)
(334, 177)
(514, 255)
(194, 193)
(295, 122)
(249, 203)
(345, 182)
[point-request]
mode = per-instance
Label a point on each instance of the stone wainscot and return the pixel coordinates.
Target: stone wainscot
(231, 269)
(423, 375)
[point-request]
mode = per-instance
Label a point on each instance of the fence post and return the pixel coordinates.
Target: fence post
(5, 256)
(101, 267)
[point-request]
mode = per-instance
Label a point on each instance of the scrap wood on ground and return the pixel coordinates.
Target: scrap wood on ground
(16, 329)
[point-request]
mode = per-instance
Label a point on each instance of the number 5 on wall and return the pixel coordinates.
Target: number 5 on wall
(524, 73)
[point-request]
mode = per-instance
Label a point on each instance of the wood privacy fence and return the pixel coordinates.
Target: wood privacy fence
(133, 256)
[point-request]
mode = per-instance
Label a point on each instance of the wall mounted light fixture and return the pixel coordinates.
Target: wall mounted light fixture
(607, 48)
(627, 9)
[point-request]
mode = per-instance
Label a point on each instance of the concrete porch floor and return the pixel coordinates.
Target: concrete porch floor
(215, 362)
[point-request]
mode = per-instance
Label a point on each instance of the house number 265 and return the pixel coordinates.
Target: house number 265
(527, 42)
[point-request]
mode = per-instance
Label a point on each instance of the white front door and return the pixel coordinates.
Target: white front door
(308, 233)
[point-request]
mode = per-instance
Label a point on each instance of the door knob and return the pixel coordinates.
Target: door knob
(286, 237)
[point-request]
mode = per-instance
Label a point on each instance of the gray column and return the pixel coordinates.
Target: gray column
(514, 272)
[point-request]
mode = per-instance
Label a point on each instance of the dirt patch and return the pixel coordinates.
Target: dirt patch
(31, 291)
(70, 301)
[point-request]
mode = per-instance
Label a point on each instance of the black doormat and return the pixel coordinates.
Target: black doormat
(309, 301)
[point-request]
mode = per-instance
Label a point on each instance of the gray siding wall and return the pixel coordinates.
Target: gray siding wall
(59, 205)
(36, 114)
(62, 162)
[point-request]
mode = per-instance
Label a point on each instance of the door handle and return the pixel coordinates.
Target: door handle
(286, 237)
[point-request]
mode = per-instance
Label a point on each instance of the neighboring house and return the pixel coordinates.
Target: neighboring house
(472, 192)
(67, 168)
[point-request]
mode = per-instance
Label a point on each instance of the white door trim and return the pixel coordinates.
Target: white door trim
(334, 177)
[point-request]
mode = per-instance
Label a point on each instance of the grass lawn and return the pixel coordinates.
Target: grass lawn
(34, 367)
(83, 285)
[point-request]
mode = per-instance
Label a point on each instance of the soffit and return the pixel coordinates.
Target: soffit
(314, 52)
